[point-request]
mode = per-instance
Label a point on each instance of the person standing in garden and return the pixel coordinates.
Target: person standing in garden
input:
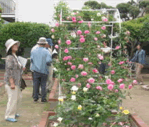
(139, 59)
(41, 60)
(50, 76)
(12, 80)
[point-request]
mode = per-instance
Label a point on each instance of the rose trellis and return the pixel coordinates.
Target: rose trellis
(90, 97)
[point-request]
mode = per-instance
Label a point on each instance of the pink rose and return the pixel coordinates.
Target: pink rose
(116, 91)
(69, 63)
(80, 21)
(121, 62)
(97, 32)
(110, 82)
(130, 86)
(73, 18)
(127, 32)
(66, 51)
(79, 32)
(135, 82)
(81, 36)
(65, 58)
(72, 80)
(105, 19)
(86, 31)
(73, 67)
(117, 47)
(80, 66)
(59, 41)
(53, 30)
(82, 40)
(83, 73)
(112, 72)
(89, 24)
(77, 76)
(122, 86)
(68, 42)
(85, 59)
(69, 57)
(91, 80)
(95, 38)
(110, 87)
(120, 80)
(56, 46)
(101, 57)
(57, 24)
(79, 84)
(90, 63)
(99, 88)
(88, 85)
(103, 27)
(95, 70)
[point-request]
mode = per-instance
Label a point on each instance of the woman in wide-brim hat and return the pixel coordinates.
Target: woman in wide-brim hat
(12, 79)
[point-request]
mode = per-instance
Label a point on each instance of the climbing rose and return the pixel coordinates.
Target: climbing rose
(130, 86)
(104, 19)
(117, 47)
(103, 27)
(69, 57)
(57, 24)
(82, 40)
(65, 58)
(83, 73)
(79, 32)
(91, 80)
(73, 67)
(85, 59)
(88, 85)
(135, 82)
(69, 63)
(53, 30)
(116, 91)
(110, 87)
(77, 76)
(101, 57)
(95, 38)
(98, 32)
(86, 31)
(89, 24)
(66, 50)
(56, 46)
(72, 80)
(81, 36)
(59, 41)
(110, 82)
(80, 21)
(120, 80)
(112, 72)
(68, 42)
(73, 18)
(121, 62)
(95, 70)
(80, 66)
(122, 86)
(99, 88)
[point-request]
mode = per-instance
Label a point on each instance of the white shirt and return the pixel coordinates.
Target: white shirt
(34, 47)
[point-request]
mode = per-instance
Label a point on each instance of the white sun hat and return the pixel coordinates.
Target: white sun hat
(9, 43)
(42, 40)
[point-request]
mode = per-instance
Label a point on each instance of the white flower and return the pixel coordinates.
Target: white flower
(55, 124)
(77, 12)
(97, 115)
(53, 36)
(92, 19)
(99, 55)
(103, 17)
(85, 89)
(98, 14)
(90, 118)
(60, 119)
(73, 34)
(74, 88)
(72, 13)
(106, 77)
(73, 97)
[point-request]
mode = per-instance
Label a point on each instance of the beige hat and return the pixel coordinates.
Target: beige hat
(42, 40)
(9, 43)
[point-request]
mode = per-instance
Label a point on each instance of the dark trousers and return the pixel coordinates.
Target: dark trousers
(39, 79)
(102, 68)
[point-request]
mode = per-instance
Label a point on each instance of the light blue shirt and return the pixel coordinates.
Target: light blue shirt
(40, 60)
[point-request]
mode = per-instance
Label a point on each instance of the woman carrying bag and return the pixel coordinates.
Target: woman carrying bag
(12, 79)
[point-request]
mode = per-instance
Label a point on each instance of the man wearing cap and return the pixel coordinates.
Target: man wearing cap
(50, 76)
(41, 60)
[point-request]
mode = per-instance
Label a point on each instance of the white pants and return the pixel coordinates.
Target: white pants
(50, 77)
(14, 101)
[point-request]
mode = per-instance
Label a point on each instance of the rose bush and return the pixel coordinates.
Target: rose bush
(90, 96)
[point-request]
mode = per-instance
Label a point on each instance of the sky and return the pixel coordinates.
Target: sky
(41, 11)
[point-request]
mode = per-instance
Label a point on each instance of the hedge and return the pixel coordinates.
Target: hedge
(27, 33)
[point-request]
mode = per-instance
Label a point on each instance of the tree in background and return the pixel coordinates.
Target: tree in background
(144, 6)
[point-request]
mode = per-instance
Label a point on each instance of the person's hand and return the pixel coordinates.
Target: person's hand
(12, 86)
(24, 68)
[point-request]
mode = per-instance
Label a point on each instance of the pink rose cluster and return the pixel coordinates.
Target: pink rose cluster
(66, 51)
(97, 32)
(68, 42)
(84, 73)
(74, 19)
(72, 80)
(112, 72)
(121, 62)
(110, 82)
(117, 47)
(82, 40)
(53, 30)
(103, 27)
(86, 31)
(85, 59)
(99, 88)
(88, 85)
(80, 66)
(91, 80)
(73, 67)
(65, 58)
(95, 70)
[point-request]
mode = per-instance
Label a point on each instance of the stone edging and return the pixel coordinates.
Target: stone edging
(53, 91)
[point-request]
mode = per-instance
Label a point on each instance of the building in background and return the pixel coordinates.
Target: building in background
(8, 10)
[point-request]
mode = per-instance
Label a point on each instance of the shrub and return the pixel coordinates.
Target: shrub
(27, 33)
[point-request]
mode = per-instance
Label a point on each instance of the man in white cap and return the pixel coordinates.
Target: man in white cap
(41, 60)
